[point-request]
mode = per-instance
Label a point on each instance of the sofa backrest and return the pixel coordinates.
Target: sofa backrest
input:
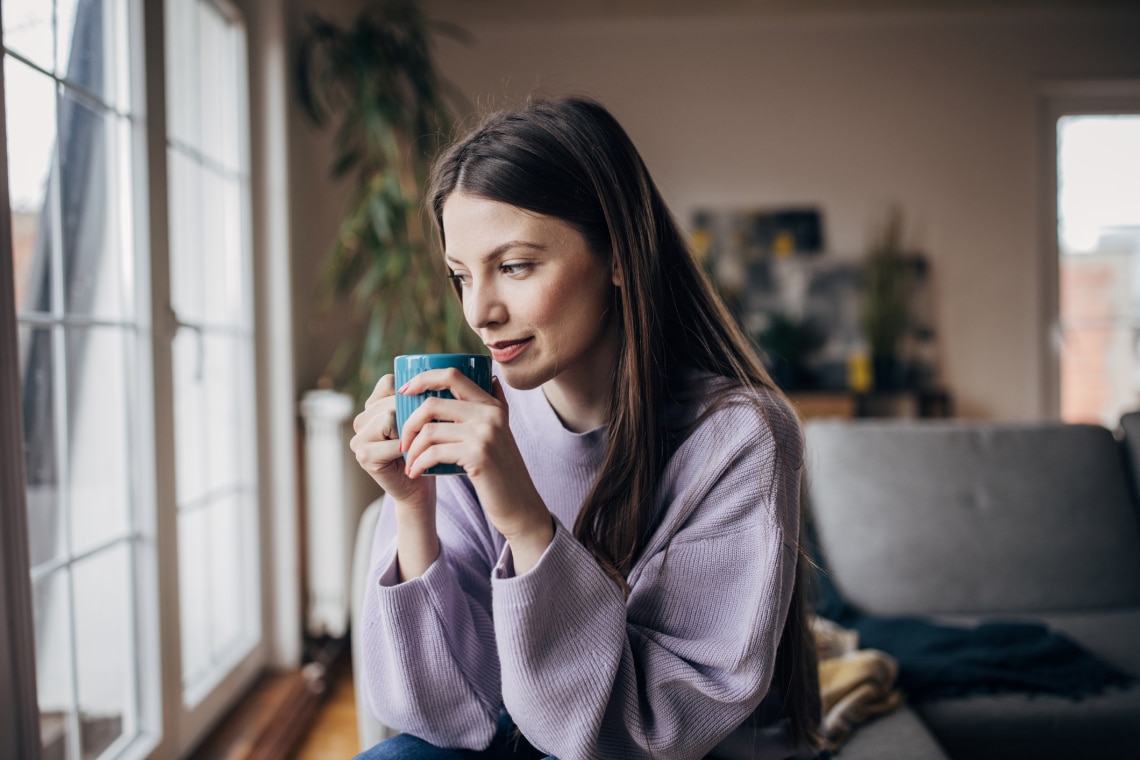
(968, 517)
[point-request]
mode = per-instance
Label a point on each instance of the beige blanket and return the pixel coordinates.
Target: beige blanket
(855, 684)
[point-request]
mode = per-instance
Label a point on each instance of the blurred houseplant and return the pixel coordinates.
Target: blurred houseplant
(376, 78)
(887, 284)
(788, 344)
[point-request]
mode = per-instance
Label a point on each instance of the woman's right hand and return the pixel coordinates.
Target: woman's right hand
(377, 448)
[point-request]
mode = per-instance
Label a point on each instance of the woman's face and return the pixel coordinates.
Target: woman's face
(537, 296)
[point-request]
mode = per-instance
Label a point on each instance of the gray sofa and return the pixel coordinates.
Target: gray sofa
(965, 522)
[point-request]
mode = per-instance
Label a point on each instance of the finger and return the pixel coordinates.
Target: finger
(385, 386)
(377, 408)
(374, 456)
(461, 386)
(497, 391)
(434, 434)
(433, 410)
(391, 427)
(447, 453)
(379, 427)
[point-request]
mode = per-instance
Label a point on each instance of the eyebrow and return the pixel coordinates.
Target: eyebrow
(499, 250)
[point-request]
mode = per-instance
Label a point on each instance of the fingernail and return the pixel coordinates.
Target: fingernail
(404, 387)
(401, 447)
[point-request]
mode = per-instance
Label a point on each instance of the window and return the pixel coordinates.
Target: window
(1098, 204)
(211, 298)
(128, 537)
(1091, 245)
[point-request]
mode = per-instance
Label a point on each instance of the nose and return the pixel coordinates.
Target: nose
(483, 305)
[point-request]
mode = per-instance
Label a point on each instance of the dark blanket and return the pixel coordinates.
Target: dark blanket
(937, 661)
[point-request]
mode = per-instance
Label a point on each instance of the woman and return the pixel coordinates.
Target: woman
(618, 574)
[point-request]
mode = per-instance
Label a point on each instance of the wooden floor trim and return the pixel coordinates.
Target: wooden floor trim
(272, 720)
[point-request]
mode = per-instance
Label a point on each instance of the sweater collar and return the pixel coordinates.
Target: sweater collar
(543, 425)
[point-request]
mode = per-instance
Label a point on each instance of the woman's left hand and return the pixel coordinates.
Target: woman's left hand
(473, 431)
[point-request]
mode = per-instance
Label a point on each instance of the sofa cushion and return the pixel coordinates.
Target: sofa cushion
(1043, 727)
(927, 517)
(1015, 725)
(899, 734)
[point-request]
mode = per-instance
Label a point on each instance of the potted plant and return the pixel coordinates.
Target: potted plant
(376, 78)
(788, 344)
(886, 298)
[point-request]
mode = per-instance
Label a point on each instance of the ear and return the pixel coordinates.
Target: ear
(615, 273)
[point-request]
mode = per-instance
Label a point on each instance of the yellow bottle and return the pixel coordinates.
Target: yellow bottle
(860, 376)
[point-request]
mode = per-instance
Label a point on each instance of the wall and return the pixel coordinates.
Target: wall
(938, 111)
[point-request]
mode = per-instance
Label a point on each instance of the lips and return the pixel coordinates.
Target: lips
(505, 351)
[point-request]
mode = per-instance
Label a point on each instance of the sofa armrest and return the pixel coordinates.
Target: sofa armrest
(370, 730)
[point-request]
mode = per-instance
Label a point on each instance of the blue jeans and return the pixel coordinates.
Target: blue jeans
(508, 744)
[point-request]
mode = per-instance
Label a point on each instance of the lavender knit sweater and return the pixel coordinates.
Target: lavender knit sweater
(669, 672)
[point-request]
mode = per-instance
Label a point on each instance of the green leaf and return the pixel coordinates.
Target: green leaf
(376, 81)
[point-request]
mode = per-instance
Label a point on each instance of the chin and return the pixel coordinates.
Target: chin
(521, 379)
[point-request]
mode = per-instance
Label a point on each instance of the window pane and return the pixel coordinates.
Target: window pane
(104, 644)
(223, 250)
(227, 581)
(45, 526)
(92, 192)
(91, 49)
(189, 416)
(182, 111)
(1098, 214)
(31, 138)
(65, 31)
(27, 30)
(223, 395)
(53, 660)
(186, 230)
(193, 585)
(218, 55)
(211, 293)
(98, 488)
(214, 245)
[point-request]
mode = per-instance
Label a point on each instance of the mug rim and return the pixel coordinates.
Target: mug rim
(443, 356)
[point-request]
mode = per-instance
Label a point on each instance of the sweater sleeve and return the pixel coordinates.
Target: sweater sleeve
(688, 657)
(430, 664)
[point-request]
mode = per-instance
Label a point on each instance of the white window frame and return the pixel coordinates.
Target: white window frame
(1056, 99)
(179, 730)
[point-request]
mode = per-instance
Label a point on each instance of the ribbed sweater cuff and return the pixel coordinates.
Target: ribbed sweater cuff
(566, 567)
(434, 585)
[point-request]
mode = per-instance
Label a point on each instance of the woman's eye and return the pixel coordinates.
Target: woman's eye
(514, 269)
(459, 277)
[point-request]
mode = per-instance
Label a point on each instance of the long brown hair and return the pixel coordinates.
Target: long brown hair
(570, 159)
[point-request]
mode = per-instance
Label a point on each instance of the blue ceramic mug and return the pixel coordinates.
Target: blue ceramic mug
(475, 366)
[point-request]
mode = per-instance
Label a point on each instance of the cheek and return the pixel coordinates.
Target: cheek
(542, 306)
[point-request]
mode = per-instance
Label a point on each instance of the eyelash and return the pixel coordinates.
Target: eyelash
(510, 270)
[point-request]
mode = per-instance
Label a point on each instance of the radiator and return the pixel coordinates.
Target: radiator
(330, 512)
